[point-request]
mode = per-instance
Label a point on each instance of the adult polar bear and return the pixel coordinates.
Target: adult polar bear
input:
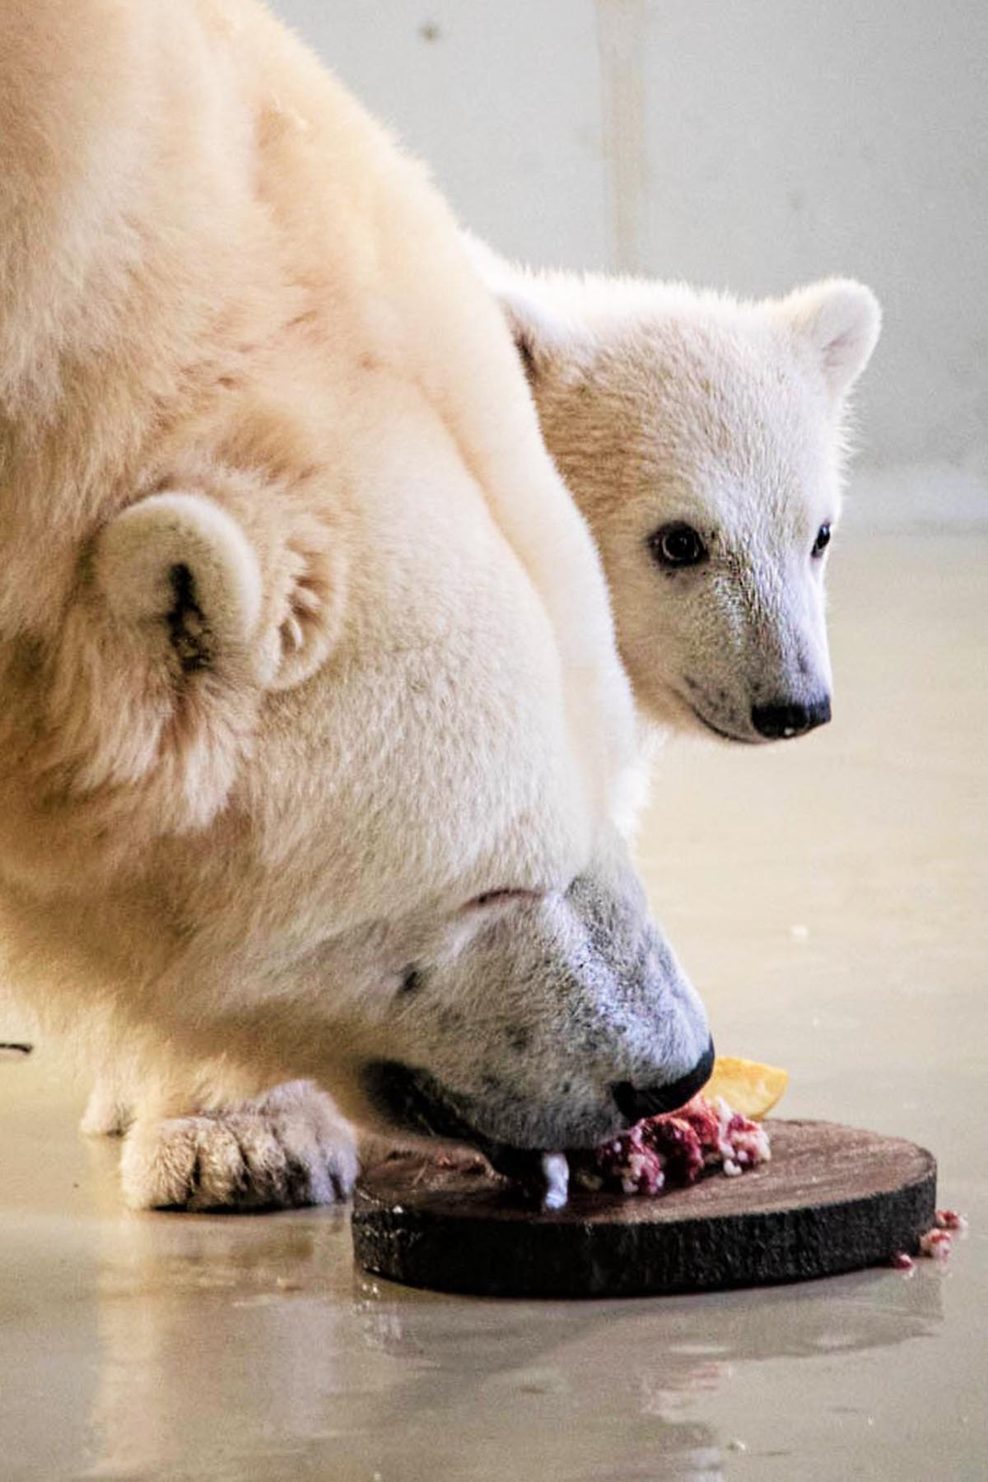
(312, 730)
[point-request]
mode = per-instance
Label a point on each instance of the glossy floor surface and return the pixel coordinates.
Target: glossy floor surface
(829, 896)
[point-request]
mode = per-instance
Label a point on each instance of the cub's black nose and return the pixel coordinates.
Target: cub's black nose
(636, 1102)
(780, 720)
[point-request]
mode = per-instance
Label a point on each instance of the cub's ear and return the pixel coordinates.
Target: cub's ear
(178, 569)
(541, 336)
(840, 320)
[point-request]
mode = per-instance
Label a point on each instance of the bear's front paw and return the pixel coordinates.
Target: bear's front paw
(285, 1149)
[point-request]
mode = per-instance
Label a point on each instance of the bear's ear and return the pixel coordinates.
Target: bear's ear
(541, 336)
(840, 320)
(179, 570)
(307, 577)
(188, 615)
(159, 674)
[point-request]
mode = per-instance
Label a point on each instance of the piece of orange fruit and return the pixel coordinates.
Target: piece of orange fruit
(747, 1086)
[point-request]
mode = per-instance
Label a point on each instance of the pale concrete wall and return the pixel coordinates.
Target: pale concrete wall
(751, 145)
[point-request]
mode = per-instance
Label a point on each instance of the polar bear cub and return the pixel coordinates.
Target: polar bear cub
(703, 439)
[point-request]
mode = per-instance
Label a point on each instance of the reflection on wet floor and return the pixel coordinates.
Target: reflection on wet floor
(828, 898)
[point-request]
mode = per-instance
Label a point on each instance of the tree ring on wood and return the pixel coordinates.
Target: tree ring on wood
(831, 1199)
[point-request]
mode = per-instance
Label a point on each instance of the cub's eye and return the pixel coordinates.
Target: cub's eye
(822, 540)
(677, 545)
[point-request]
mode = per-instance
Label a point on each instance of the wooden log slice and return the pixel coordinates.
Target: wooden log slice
(832, 1199)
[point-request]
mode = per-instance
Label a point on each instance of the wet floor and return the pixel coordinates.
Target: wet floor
(829, 896)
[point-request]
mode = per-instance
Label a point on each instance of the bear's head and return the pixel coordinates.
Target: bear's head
(323, 797)
(703, 439)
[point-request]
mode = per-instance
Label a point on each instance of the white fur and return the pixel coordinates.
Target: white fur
(663, 404)
(138, 551)
(303, 645)
(286, 1147)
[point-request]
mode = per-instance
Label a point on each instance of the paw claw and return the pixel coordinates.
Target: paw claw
(286, 1150)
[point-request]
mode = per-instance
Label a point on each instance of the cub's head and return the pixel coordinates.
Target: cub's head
(703, 440)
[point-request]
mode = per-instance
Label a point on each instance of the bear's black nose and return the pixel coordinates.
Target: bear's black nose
(636, 1102)
(780, 720)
